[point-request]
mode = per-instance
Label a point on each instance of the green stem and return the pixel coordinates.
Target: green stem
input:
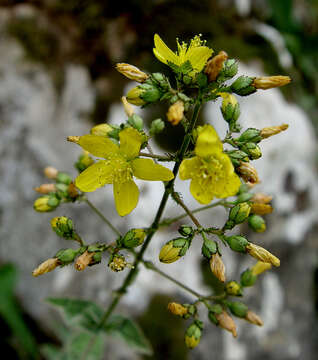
(187, 210)
(158, 157)
(102, 216)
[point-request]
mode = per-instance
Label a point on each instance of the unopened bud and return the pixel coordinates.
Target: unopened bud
(173, 250)
(209, 247)
(177, 309)
(268, 82)
(217, 267)
(237, 243)
(84, 161)
(261, 198)
(252, 150)
(226, 322)
(45, 188)
(117, 262)
(253, 318)
(66, 256)
(260, 267)
(257, 223)
(47, 266)
(261, 209)
(46, 203)
(127, 107)
(238, 308)
(134, 96)
(74, 139)
(50, 172)
(156, 127)
(243, 86)
(63, 178)
(175, 112)
(248, 173)
(84, 260)
(237, 156)
(248, 278)
(132, 72)
(193, 334)
(186, 230)
(133, 238)
(243, 197)
(230, 68)
(136, 122)
(250, 135)
(230, 110)
(213, 310)
(100, 130)
(63, 227)
(262, 254)
(233, 288)
(238, 214)
(273, 130)
(215, 65)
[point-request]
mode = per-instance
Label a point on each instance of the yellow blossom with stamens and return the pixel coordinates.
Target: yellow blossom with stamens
(196, 53)
(121, 164)
(211, 170)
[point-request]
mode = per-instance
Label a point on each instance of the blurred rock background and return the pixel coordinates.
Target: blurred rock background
(57, 78)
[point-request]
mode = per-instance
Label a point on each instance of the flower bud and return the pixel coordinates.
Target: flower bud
(84, 161)
(209, 247)
(46, 203)
(248, 173)
(257, 223)
(213, 310)
(260, 267)
(226, 322)
(173, 250)
(243, 197)
(273, 130)
(84, 260)
(252, 150)
(50, 172)
(177, 309)
(72, 191)
(117, 262)
(237, 243)
(144, 94)
(47, 266)
(175, 112)
(63, 178)
(63, 227)
(161, 80)
(238, 214)
(243, 86)
(233, 288)
(132, 72)
(45, 188)
(133, 238)
(215, 65)
(230, 68)
(261, 198)
(193, 334)
(237, 156)
(250, 135)
(101, 130)
(238, 308)
(268, 82)
(186, 230)
(66, 256)
(217, 267)
(136, 122)
(253, 318)
(262, 254)
(134, 96)
(156, 127)
(248, 278)
(230, 110)
(261, 209)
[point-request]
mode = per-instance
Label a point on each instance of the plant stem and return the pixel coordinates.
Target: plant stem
(158, 157)
(102, 216)
(186, 209)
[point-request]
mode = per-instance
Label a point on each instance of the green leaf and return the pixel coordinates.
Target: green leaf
(130, 332)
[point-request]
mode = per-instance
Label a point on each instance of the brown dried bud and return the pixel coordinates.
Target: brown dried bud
(50, 172)
(74, 139)
(72, 191)
(248, 173)
(215, 65)
(226, 322)
(262, 254)
(261, 209)
(217, 267)
(177, 309)
(253, 318)
(132, 72)
(84, 260)
(47, 266)
(127, 107)
(175, 112)
(268, 82)
(273, 130)
(45, 188)
(261, 198)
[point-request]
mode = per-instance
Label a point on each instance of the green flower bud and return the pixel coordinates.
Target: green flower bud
(248, 278)
(160, 79)
(237, 243)
(156, 127)
(238, 308)
(237, 156)
(257, 223)
(63, 227)
(66, 256)
(238, 214)
(83, 162)
(134, 96)
(230, 108)
(250, 135)
(174, 249)
(193, 334)
(230, 68)
(209, 248)
(136, 122)
(215, 310)
(63, 178)
(46, 203)
(233, 288)
(243, 86)
(252, 150)
(150, 93)
(133, 238)
(243, 197)
(186, 230)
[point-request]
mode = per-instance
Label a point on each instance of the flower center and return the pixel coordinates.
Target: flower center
(122, 170)
(210, 170)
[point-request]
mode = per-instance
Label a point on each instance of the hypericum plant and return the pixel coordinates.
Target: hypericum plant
(218, 168)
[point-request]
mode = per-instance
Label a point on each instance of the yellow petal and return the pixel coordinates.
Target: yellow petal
(163, 53)
(126, 197)
(98, 146)
(95, 176)
(201, 191)
(146, 169)
(208, 142)
(130, 142)
(189, 167)
(198, 57)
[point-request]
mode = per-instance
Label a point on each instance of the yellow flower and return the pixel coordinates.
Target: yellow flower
(196, 53)
(121, 164)
(211, 170)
